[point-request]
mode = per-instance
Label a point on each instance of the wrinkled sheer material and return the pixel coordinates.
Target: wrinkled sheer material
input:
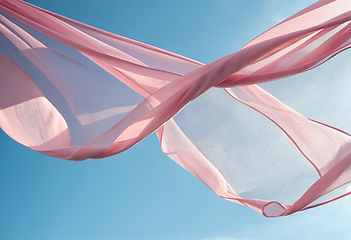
(71, 91)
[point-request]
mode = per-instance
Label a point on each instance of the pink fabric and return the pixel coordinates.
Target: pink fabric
(74, 92)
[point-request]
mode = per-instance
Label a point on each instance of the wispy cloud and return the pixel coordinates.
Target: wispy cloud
(225, 238)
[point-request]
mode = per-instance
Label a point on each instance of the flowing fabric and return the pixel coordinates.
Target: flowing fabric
(72, 91)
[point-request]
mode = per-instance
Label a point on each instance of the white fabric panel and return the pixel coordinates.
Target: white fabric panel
(250, 151)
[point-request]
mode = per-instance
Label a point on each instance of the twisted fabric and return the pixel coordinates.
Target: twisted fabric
(74, 92)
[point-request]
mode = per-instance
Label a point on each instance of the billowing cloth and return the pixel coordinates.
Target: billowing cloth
(74, 92)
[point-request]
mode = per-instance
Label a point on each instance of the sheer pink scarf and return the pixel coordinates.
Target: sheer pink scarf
(72, 91)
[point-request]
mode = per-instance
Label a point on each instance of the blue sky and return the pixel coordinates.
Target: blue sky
(141, 194)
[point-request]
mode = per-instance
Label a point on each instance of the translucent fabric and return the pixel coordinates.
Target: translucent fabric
(74, 92)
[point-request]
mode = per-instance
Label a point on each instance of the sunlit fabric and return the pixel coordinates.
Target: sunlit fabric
(71, 91)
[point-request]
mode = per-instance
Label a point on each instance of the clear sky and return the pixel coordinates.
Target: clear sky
(141, 194)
